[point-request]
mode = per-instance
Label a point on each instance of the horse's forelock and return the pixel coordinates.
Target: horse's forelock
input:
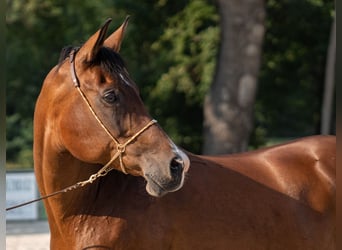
(109, 60)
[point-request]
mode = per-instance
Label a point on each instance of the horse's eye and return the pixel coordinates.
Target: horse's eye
(110, 97)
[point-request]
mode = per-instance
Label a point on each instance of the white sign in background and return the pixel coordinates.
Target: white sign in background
(21, 187)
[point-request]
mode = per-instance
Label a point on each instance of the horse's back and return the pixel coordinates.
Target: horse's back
(303, 169)
(283, 194)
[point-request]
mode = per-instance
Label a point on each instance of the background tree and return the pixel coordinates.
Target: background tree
(228, 109)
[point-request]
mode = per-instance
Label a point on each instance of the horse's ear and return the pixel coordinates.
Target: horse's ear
(90, 48)
(115, 39)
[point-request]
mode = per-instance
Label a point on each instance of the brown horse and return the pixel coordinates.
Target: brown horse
(89, 115)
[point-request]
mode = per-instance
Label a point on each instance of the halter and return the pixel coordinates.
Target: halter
(120, 147)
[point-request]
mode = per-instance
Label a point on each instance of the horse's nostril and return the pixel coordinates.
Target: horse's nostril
(176, 166)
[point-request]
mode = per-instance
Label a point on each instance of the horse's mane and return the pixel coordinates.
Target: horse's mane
(65, 52)
(109, 60)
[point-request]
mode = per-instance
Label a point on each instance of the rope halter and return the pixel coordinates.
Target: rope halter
(120, 147)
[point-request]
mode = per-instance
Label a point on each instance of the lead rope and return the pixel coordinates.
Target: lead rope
(121, 147)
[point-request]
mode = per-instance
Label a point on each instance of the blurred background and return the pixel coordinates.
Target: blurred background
(220, 76)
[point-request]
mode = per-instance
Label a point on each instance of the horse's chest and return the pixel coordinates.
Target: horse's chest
(122, 233)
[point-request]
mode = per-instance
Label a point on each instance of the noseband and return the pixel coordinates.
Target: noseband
(120, 147)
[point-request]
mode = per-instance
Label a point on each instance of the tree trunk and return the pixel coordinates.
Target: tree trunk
(329, 83)
(228, 107)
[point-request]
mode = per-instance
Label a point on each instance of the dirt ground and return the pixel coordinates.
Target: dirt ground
(28, 235)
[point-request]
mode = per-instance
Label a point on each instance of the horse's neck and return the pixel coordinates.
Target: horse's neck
(104, 197)
(59, 170)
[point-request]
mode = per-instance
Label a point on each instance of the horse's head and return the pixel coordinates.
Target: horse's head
(98, 114)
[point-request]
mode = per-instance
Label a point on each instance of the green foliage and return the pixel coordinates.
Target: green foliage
(20, 145)
(170, 50)
(188, 49)
(36, 32)
(293, 67)
(186, 56)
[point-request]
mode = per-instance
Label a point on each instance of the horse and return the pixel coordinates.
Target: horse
(144, 192)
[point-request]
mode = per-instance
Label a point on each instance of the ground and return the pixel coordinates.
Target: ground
(28, 235)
